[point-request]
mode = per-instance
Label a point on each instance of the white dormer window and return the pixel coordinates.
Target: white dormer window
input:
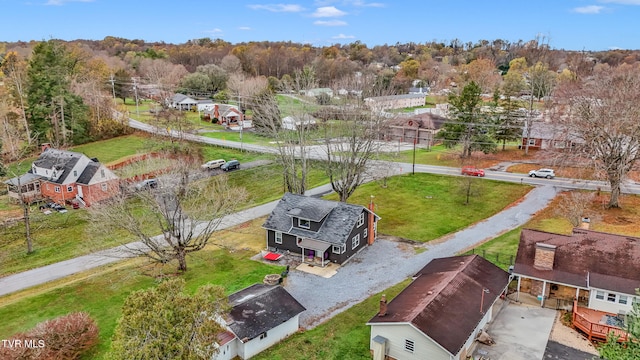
(304, 223)
(361, 220)
(75, 173)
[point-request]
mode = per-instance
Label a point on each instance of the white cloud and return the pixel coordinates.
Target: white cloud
(343, 36)
(62, 2)
(214, 31)
(277, 7)
(244, 28)
(330, 23)
(590, 9)
(362, 3)
(622, 2)
(328, 11)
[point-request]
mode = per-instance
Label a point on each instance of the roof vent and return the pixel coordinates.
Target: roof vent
(429, 292)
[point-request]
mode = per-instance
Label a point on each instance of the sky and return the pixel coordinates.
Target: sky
(564, 24)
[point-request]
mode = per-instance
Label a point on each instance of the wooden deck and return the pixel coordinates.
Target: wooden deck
(588, 321)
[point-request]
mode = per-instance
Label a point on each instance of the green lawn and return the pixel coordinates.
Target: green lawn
(424, 207)
(102, 296)
(437, 155)
(501, 250)
(265, 183)
(345, 336)
(56, 237)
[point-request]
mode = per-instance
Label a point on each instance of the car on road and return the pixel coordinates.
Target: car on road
(472, 171)
(230, 165)
(543, 173)
(213, 164)
(147, 184)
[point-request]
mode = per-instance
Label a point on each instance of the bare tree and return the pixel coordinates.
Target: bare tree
(15, 69)
(163, 74)
(574, 206)
(175, 218)
(350, 143)
(603, 121)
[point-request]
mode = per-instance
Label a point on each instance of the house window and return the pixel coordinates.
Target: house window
(69, 188)
(104, 187)
(102, 172)
(355, 241)
(57, 189)
(532, 141)
(599, 295)
(611, 297)
(623, 300)
(361, 220)
(304, 223)
(75, 173)
(365, 232)
(298, 240)
(263, 335)
(337, 249)
(409, 345)
(278, 237)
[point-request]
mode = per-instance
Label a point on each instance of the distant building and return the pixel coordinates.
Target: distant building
(381, 103)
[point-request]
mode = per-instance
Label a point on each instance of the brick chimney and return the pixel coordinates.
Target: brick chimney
(371, 237)
(544, 257)
(383, 306)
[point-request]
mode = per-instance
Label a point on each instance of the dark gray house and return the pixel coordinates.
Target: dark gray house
(321, 231)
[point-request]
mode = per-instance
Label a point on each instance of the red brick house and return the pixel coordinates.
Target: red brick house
(63, 176)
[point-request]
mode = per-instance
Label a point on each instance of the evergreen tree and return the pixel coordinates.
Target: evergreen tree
(55, 114)
(166, 323)
(467, 125)
(630, 348)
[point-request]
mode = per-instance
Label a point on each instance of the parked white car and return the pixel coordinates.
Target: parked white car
(543, 173)
(213, 164)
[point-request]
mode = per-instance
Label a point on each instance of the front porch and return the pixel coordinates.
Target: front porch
(552, 295)
(597, 324)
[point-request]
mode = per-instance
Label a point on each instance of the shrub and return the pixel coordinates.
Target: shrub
(65, 337)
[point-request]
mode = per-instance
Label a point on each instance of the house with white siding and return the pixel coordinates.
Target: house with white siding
(440, 313)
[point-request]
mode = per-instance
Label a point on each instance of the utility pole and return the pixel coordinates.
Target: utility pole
(135, 89)
(112, 80)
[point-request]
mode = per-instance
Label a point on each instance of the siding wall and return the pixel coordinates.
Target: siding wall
(396, 334)
(275, 335)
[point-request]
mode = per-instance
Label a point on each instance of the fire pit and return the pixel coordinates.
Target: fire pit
(272, 279)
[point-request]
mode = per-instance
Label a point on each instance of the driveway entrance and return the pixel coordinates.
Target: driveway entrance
(520, 332)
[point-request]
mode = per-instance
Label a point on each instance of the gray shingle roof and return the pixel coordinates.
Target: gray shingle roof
(88, 173)
(340, 217)
(260, 308)
(59, 160)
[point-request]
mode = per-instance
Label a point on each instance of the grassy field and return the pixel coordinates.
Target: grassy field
(424, 207)
(265, 183)
(345, 336)
(102, 295)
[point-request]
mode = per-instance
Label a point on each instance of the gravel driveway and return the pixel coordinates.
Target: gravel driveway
(387, 263)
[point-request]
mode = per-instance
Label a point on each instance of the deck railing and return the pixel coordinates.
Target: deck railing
(596, 330)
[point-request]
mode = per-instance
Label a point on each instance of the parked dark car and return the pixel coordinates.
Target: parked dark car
(231, 165)
(54, 206)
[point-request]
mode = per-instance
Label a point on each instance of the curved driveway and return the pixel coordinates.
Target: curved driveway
(387, 263)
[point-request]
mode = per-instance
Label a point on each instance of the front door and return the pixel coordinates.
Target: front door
(80, 191)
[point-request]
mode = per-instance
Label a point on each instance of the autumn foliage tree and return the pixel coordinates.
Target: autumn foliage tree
(66, 337)
(602, 118)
